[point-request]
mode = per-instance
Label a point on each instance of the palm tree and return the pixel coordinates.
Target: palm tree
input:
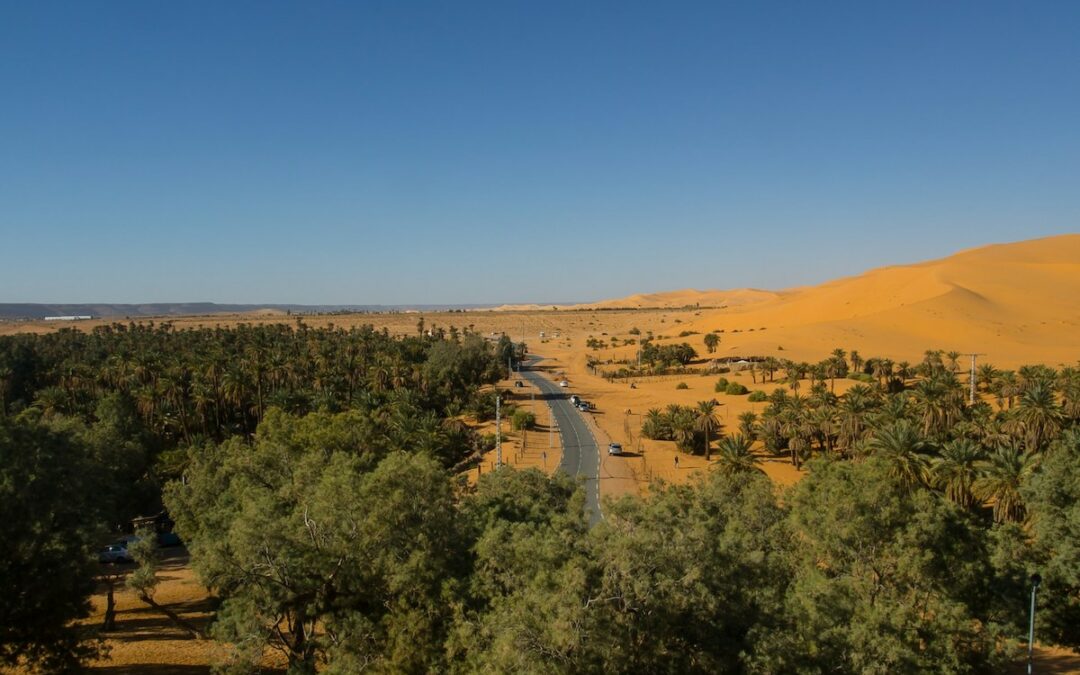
(823, 419)
(1000, 480)
(839, 355)
(903, 371)
(770, 365)
(940, 400)
(792, 374)
(734, 456)
(903, 449)
(706, 422)
(1008, 387)
(834, 368)
(986, 374)
(748, 424)
(652, 426)
(880, 368)
(852, 413)
(957, 469)
(1069, 385)
(683, 422)
(796, 426)
(932, 363)
(856, 361)
(1039, 415)
(953, 357)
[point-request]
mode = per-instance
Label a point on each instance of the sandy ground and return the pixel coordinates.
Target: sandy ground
(538, 448)
(146, 641)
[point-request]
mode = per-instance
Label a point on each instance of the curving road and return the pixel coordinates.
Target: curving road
(580, 453)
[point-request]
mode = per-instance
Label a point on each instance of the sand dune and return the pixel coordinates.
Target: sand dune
(1018, 302)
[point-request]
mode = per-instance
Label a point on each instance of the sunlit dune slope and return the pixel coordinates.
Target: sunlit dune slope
(1018, 303)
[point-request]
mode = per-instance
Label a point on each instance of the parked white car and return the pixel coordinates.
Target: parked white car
(614, 449)
(564, 383)
(114, 553)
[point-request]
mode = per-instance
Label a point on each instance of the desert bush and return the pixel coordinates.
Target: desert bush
(522, 419)
(757, 396)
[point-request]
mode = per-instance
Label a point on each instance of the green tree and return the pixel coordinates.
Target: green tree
(711, 341)
(881, 578)
(1053, 498)
(317, 554)
(50, 519)
(900, 448)
(748, 422)
(1002, 475)
(957, 470)
(1038, 417)
(735, 457)
(144, 580)
(706, 422)
(684, 580)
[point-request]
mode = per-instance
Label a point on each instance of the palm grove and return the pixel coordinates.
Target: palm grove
(312, 473)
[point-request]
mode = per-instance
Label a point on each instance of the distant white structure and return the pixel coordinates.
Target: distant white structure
(69, 318)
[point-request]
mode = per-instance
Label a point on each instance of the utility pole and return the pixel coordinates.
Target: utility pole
(971, 398)
(1036, 579)
(498, 432)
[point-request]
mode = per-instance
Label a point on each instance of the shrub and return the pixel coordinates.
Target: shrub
(635, 331)
(682, 385)
(482, 406)
(522, 419)
(721, 385)
(736, 389)
(757, 396)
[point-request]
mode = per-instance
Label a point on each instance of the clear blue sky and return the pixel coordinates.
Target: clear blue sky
(407, 152)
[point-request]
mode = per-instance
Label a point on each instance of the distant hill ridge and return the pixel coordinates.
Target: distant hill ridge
(108, 310)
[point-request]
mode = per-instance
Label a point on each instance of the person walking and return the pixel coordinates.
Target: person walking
(676, 461)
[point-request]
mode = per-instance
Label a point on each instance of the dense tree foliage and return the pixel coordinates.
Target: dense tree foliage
(49, 521)
(145, 391)
(93, 424)
(312, 474)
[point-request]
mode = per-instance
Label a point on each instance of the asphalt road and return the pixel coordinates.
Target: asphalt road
(580, 453)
